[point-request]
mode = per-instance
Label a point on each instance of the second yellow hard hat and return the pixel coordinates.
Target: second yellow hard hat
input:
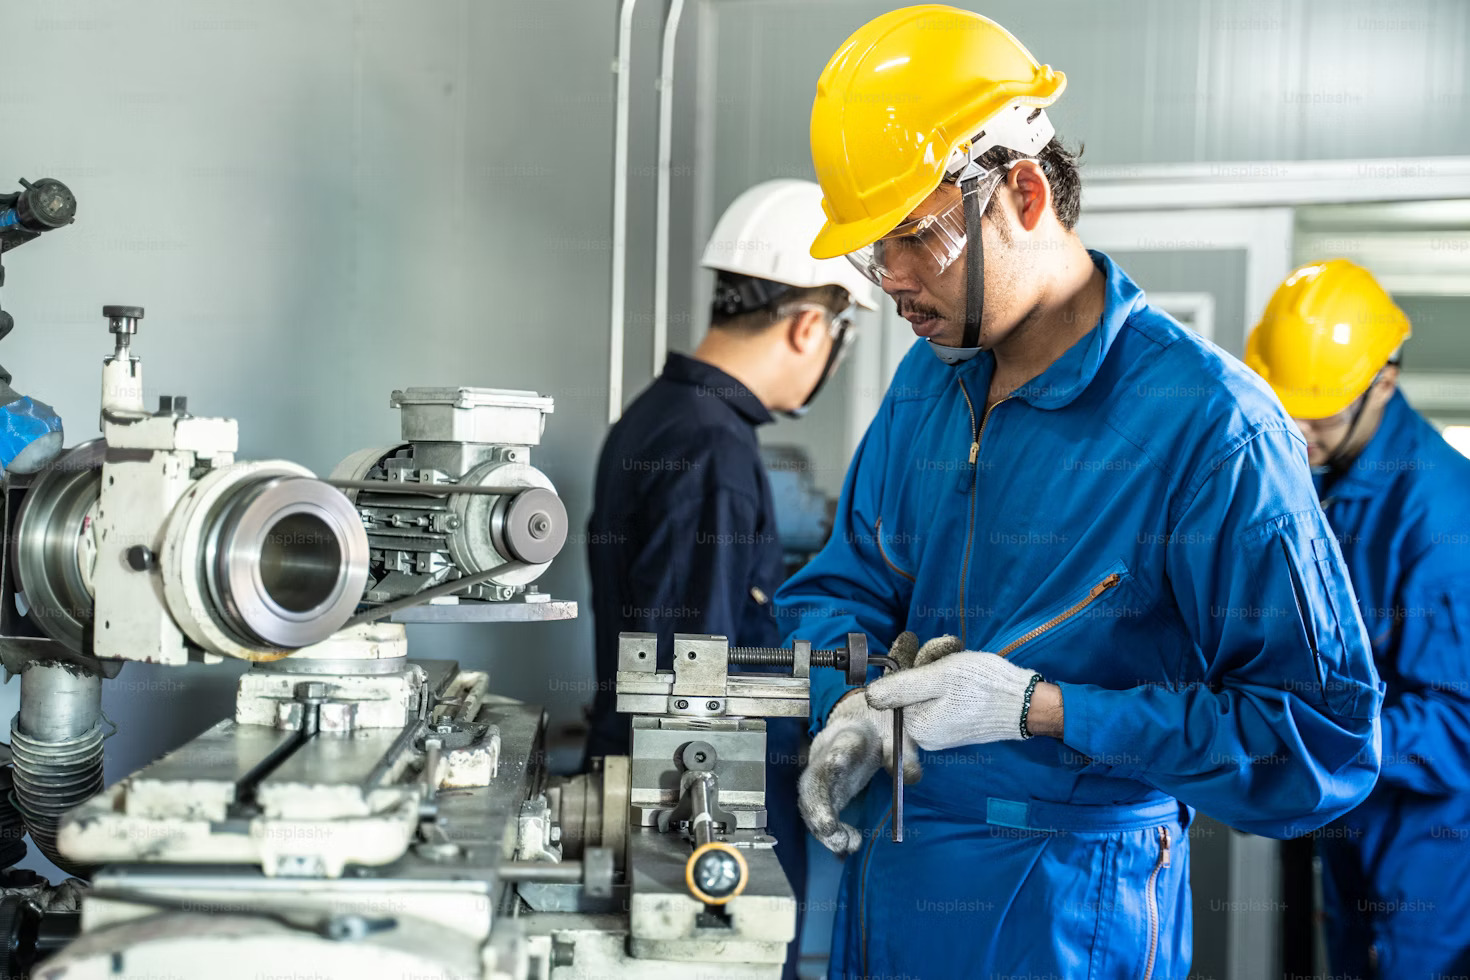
(1324, 336)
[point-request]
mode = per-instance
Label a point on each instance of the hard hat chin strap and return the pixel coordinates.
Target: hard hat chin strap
(974, 257)
(969, 344)
(1341, 459)
(1021, 128)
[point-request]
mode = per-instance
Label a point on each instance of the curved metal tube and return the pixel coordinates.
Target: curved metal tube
(665, 162)
(620, 213)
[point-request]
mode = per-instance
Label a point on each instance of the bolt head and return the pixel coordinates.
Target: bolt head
(681, 704)
(139, 558)
(698, 756)
(712, 705)
(717, 873)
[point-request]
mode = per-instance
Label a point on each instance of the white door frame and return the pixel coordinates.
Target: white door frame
(1273, 184)
(1264, 234)
(1194, 310)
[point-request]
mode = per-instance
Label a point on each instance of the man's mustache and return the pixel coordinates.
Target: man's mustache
(905, 308)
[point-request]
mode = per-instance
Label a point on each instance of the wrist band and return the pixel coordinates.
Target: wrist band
(1026, 704)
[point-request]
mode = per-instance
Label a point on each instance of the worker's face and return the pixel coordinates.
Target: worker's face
(1336, 434)
(934, 302)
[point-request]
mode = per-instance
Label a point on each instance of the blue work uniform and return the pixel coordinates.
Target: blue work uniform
(682, 539)
(1138, 525)
(1396, 870)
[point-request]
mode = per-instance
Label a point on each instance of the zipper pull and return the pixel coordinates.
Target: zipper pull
(1164, 847)
(974, 452)
(1104, 585)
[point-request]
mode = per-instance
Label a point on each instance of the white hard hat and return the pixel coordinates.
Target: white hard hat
(767, 233)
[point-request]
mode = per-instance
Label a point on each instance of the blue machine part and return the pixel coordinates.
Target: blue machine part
(30, 435)
(803, 513)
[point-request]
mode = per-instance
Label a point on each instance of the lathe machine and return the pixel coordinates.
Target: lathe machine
(368, 811)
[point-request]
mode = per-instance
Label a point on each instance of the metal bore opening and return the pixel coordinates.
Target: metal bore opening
(300, 562)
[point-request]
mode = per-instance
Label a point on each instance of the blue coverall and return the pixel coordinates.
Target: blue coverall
(1397, 868)
(682, 539)
(1138, 525)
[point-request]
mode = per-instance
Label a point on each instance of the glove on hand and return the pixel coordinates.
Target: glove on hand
(850, 747)
(966, 698)
(908, 653)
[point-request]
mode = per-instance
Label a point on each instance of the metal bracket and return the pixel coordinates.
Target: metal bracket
(701, 664)
(801, 659)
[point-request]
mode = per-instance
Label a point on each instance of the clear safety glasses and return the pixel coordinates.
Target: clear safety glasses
(929, 244)
(842, 337)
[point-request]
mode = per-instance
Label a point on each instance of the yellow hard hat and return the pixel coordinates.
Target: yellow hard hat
(1324, 336)
(901, 95)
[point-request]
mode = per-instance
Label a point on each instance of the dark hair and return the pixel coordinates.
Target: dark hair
(1060, 166)
(834, 298)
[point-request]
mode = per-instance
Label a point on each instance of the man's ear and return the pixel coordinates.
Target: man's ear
(806, 330)
(1032, 193)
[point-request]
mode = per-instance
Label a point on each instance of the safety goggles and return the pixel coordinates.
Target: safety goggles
(929, 244)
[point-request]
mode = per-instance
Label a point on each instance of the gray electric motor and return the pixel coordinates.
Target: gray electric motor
(459, 498)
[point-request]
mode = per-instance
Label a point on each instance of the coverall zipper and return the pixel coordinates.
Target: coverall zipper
(1153, 903)
(863, 891)
(878, 534)
(1061, 617)
(976, 432)
(1031, 634)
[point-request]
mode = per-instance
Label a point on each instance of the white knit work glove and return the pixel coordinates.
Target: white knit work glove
(856, 740)
(967, 698)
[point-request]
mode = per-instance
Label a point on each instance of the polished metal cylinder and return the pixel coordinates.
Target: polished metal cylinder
(254, 557)
(51, 544)
(284, 561)
(58, 701)
(701, 821)
(566, 873)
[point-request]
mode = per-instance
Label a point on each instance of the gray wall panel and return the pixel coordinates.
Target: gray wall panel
(317, 203)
